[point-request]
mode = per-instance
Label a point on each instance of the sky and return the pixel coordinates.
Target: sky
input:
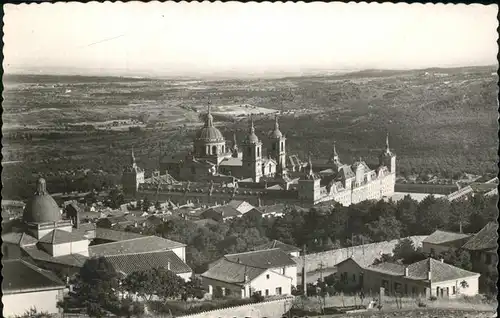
(253, 38)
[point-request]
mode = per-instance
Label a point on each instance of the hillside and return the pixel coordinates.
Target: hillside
(441, 121)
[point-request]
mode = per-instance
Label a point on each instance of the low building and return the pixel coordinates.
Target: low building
(293, 251)
(483, 248)
(351, 272)
(267, 272)
(442, 241)
(26, 286)
(428, 277)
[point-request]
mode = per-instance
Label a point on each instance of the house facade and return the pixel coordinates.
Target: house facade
(267, 272)
(26, 286)
(442, 241)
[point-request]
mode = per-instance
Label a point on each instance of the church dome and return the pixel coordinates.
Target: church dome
(252, 138)
(42, 207)
(276, 134)
(209, 134)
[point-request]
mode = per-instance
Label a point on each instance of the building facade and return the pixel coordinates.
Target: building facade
(215, 173)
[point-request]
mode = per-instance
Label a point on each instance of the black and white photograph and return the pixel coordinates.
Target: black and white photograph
(249, 160)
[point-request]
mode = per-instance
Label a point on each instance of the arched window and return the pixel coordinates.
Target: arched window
(207, 150)
(282, 146)
(214, 150)
(258, 151)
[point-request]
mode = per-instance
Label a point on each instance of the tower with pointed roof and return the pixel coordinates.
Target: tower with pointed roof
(209, 143)
(132, 176)
(278, 150)
(387, 158)
(309, 189)
(235, 151)
(252, 154)
(334, 158)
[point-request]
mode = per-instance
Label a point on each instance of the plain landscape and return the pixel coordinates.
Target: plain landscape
(78, 131)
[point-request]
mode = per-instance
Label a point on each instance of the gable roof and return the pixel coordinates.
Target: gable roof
(440, 271)
(231, 162)
(485, 239)
(361, 260)
(232, 273)
(20, 276)
(128, 264)
(440, 237)
(268, 258)
(145, 244)
(278, 244)
(224, 211)
(59, 236)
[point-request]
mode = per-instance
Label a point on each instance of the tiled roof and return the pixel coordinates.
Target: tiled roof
(346, 172)
(277, 244)
(440, 237)
(235, 203)
(19, 276)
(138, 262)
(112, 235)
(145, 244)
(361, 260)
(225, 211)
(440, 271)
(232, 273)
(75, 260)
(58, 236)
(21, 239)
(485, 239)
(269, 258)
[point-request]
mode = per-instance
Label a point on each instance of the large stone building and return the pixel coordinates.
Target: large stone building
(213, 173)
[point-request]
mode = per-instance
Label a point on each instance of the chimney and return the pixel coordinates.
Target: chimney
(406, 271)
(442, 260)
(77, 219)
(168, 265)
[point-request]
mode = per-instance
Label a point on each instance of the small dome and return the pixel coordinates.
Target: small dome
(252, 138)
(211, 134)
(276, 134)
(42, 208)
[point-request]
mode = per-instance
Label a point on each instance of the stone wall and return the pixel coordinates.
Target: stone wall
(369, 252)
(266, 309)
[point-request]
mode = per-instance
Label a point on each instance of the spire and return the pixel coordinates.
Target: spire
(335, 154)
(310, 165)
(210, 119)
(276, 123)
(252, 128)
(387, 142)
(41, 186)
(132, 157)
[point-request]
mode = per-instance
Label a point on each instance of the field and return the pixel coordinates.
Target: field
(441, 121)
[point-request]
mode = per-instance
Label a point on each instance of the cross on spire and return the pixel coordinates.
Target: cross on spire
(252, 128)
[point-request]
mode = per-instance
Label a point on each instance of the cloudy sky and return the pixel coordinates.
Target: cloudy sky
(198, 38)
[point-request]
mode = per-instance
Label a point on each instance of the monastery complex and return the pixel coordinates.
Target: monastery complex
(214, 173)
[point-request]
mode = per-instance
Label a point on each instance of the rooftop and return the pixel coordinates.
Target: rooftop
(144, 244)
(21, 276)
(485, 239)
(58, 236)
(116, 236)
(138, 262)
(19, 238)
(75, 260)
(440, 237)
(278, 244)
(268, 258)
(440, 271)
(232, 273)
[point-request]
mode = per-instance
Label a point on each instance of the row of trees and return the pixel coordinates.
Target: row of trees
(327, 227)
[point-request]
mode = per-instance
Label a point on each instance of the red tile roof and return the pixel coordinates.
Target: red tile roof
(138, 262)
(485, 239)
(20, 276)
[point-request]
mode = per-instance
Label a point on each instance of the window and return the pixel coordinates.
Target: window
(453, 290)
(278, 290)
(258, 151)
(267, 292)
(214, 150)
(267, 276)
(385, 284)
(353, 277)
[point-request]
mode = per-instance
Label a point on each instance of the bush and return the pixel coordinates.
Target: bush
(432, 298)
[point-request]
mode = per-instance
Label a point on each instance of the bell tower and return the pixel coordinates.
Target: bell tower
(388, 158)
(252, 154)
(278, 150)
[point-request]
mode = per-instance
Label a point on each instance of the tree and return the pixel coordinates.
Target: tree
(115, 198)
(459, 258)
(405, 250)
(384, 229)
(130, 307)
(157, 205)
(142, 283)
(99, 284)
(193, 289)
(146, 204)
(171, 285)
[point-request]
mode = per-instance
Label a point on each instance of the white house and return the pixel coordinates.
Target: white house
(26, 286)
(267, 272)
(428, 277)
